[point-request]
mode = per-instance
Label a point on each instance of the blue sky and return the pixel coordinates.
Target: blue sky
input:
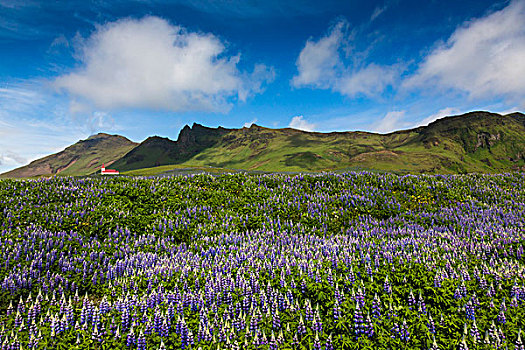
(69, 69)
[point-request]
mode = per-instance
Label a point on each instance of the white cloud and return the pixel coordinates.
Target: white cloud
(318, 61)
(483, 57)
(250, 123)
(392, 121)
(34, 124)
(151, 64)
(445, 112)
(377, 12)
(320, 65)
(11, 158)
(508, 110)
(298, 122)
(369, 81)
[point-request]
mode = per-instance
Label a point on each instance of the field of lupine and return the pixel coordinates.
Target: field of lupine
(334, 261)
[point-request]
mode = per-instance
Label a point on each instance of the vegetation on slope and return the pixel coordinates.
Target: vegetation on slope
(157, 151)
(474, 142)
(83, 158)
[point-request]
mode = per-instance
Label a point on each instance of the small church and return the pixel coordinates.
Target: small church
(105, 171)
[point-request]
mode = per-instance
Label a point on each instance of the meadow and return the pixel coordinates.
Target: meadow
(238, 261)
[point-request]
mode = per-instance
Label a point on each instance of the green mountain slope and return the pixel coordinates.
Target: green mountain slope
(157, 151)
(82, 158)
(473, 142)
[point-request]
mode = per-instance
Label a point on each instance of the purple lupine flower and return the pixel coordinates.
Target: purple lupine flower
(33, 341)
(141, 341)
(184, 335)
(404, 334)
(10, 308)
(303, 286)
(157, 323)
(369, 326)
(69, 315)
(503, 306)
(301, 328)
(483, 282)
(309, 314)
(463, 288)
(318, 324)
(376, 307)
(491, 292)
(317, 343)
(273, 343)
(463, 344)
(95, 335)
(422, 308)
(474, 332)
(130, 339)
(337, 294)
(431, 325)
(201, 331)
(359, 322)
(434, 344)
(164, 329)
(96, 317)
(515, 290)
(470, 311)
(280, 337)
(457, 293)
(501, 317)
(191, 339)
(411, 299)
(295, 341)
(254, 322)
(501, 335)
(492, 333)
(124, 319)
(519, 344)
(328, 344)
(395, 330)
(437, 281)
(387, 287)
(474, 299)
(276, 320)
(264, 339)
(336, 312)
(360, 296)
(18, 319)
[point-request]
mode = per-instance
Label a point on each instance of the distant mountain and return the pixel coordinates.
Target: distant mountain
(82, 158)
(472, 142)
(155, 151)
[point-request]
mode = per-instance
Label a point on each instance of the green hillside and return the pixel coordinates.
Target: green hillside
(473, 142)
(83, 158)
(157, 151)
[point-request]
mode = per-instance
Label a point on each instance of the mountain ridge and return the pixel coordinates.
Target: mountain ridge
(477, 141)
(82, 158)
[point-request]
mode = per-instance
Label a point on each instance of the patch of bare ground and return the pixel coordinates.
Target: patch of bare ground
(259, 164)
(59, 170)
(93, 162)
(379, 155)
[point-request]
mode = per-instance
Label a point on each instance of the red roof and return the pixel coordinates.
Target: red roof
(109, 171)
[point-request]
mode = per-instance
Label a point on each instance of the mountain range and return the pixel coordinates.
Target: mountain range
(473, 142)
